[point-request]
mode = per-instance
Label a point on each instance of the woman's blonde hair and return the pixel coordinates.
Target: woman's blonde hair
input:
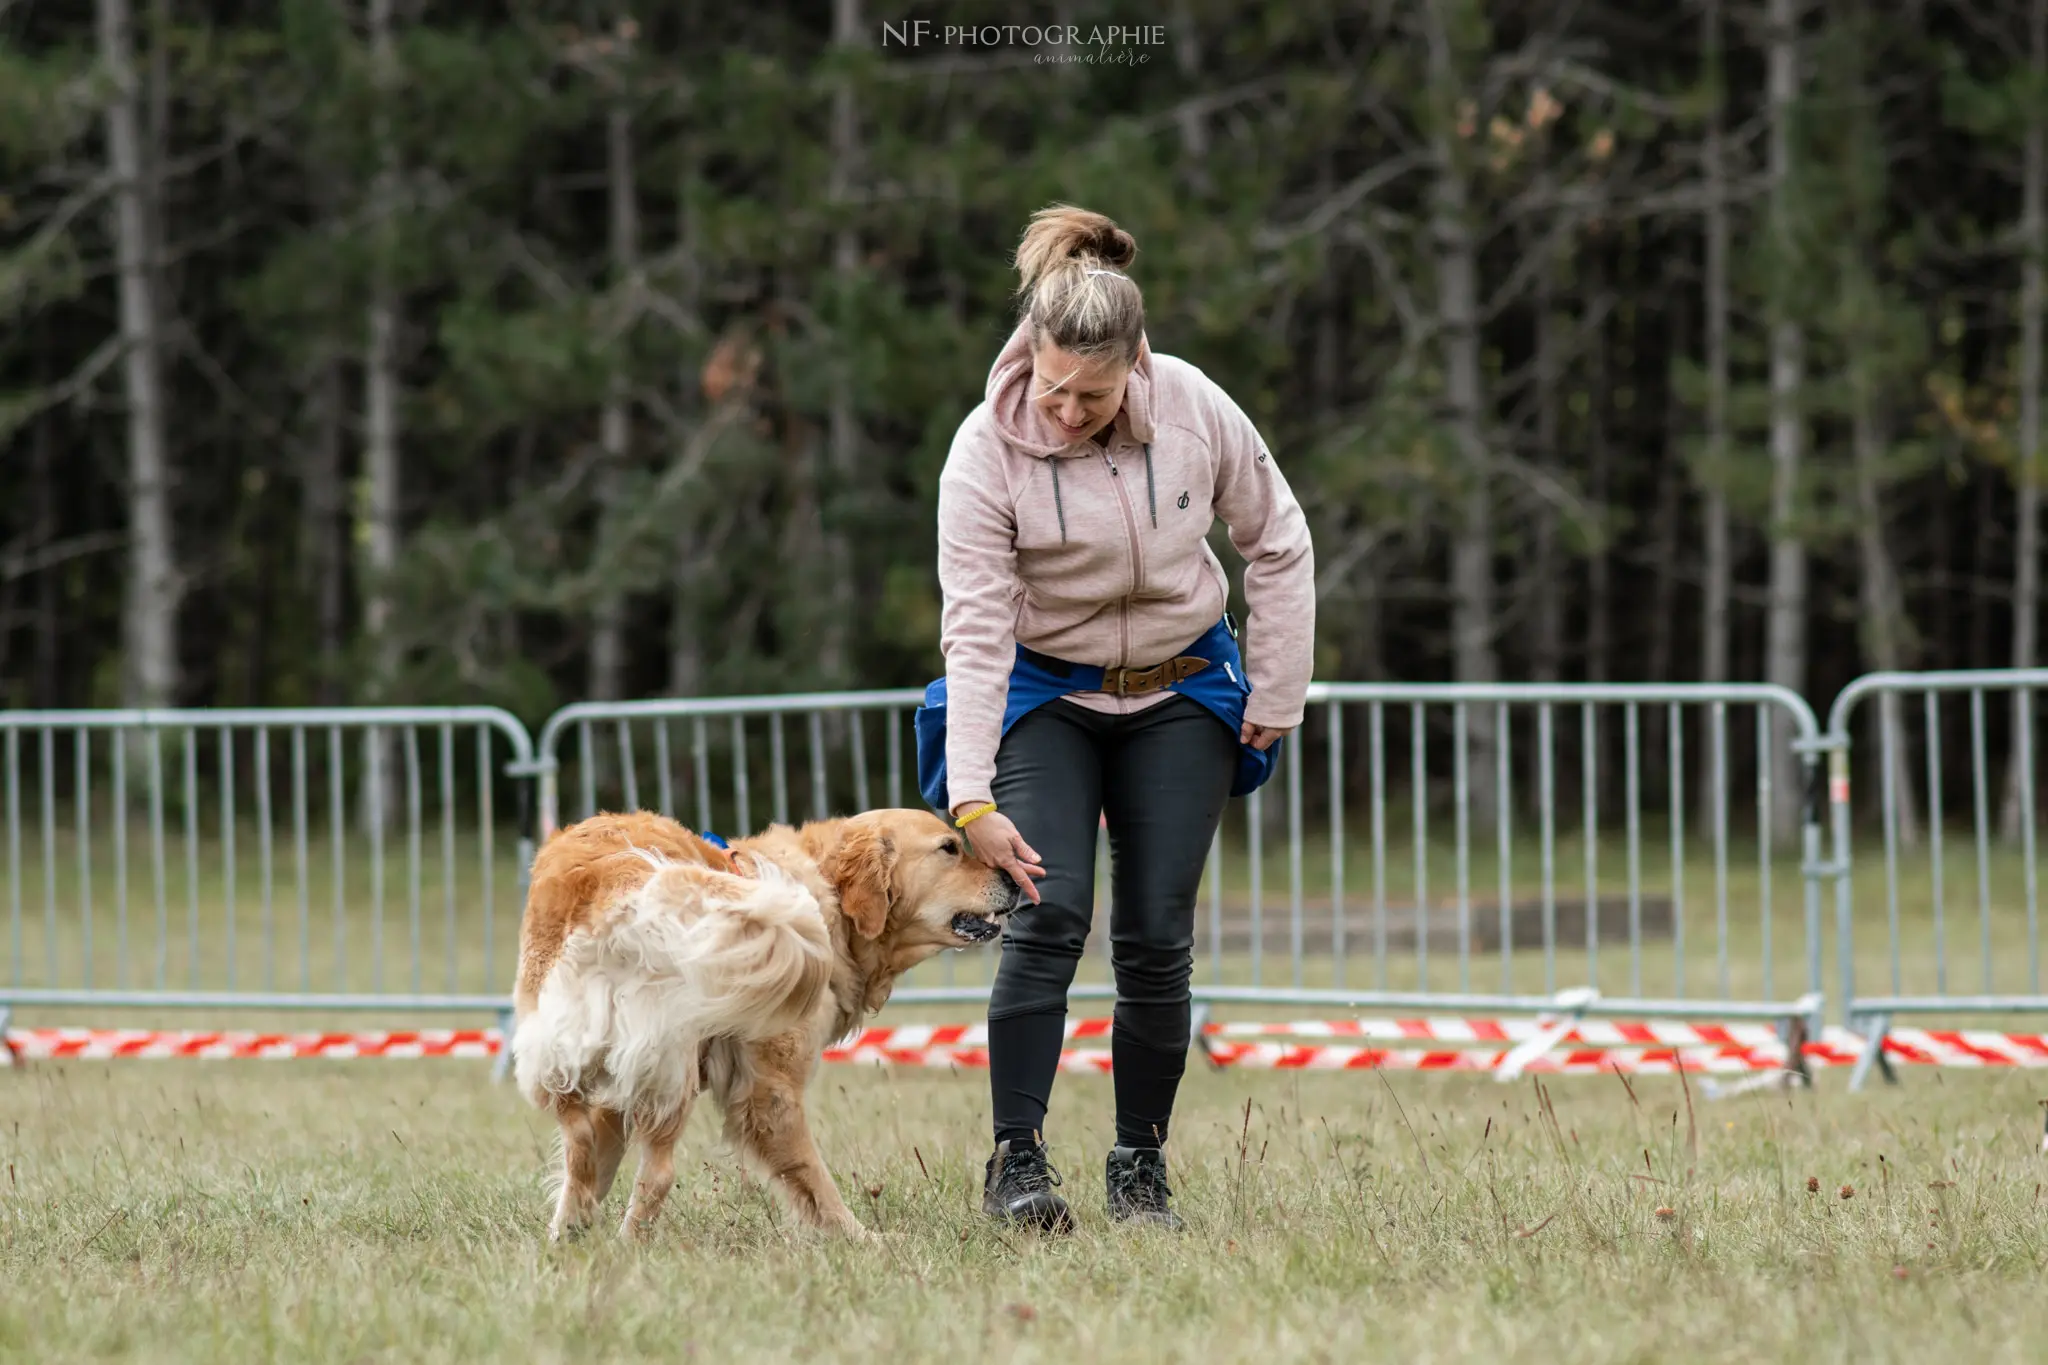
(1070, 271)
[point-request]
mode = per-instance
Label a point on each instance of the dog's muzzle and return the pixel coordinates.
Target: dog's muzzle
(974, 929)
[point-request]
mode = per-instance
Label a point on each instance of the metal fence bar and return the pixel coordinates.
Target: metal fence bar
(1717, 714)
(2024, 721)
(446, 763)
(1934, 841)
(1589, 787)
(1338, 837)
(1546, 803)
(14, 855)
(1979, 781)
(1504, 807)
(1379, 843)
(1461, 746)
(1630, 747)
(226, 745)
(665, 789)
(46, 772)
(486, 828)
(821, 802)
(338, 827)
(1419, 787)
(81, 752)
(778, 768)
(1763, 842)
(1676, 738)
(120, 799)
(264, 856)
(1294, 758)
(192, 854)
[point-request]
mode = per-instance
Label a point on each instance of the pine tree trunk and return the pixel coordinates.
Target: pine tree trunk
(608, 614)
(2026, 579)
(1599, 599)
(1546, 620)
(327, 546)
(1457, 280)
(685, 649)
(47, 603)
(379, 530)
(380, 385)
(1194, 125)
(1785, 643)
(1719, 570)
(154, 590)
(842, 425)
(1883, 604)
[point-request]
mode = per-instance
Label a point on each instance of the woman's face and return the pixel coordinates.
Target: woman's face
(1079, 397)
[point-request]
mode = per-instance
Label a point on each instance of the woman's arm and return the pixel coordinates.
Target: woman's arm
(978, 616)
(1269, 529)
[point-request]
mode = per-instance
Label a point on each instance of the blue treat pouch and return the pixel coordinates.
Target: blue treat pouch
(1222, 688)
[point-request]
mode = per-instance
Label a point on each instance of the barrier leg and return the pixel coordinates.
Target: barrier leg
(502, 1068)
(7, 1057)
(1570, 1010)
(1876, 1027)
(1198, 1023)
(1795, 1033)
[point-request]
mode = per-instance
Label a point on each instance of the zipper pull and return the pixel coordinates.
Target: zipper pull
(1112, 461)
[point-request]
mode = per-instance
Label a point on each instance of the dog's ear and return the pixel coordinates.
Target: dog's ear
(863, 869)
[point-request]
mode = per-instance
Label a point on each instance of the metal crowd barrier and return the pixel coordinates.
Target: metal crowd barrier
(1632, 849)
(1919, 961)
(344, 859)
(1567, 858)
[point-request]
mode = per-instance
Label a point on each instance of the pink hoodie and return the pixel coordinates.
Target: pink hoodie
(1089, 555)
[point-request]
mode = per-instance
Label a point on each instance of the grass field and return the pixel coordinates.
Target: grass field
(372, 1211)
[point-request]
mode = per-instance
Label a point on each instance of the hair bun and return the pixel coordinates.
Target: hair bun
(1112, 244)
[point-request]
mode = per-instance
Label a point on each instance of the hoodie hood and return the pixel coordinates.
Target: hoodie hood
(1020, 421)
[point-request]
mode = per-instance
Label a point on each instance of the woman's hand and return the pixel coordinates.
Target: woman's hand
(1260, 737)
(996, 842)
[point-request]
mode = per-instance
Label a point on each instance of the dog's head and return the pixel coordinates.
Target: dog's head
(906, 880)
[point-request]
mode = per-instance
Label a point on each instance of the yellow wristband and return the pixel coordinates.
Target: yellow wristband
(964, 821)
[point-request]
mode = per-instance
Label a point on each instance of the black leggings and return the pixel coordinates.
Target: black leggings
(1161, 778)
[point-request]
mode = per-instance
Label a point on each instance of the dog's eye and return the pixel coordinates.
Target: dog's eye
(951, 847)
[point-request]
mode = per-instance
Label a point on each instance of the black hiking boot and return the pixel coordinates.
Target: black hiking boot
(1138, 1193)
(1018, 1188)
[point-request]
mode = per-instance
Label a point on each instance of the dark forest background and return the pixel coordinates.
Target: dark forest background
(380, 350)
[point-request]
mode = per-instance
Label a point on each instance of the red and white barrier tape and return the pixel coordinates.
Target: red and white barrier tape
(61, 1044)
(1646, 1047)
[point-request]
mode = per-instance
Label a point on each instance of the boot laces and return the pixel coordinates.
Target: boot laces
(1025, 1170)
(1140, 1184)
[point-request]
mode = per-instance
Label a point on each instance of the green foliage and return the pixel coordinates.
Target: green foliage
(1293, 257)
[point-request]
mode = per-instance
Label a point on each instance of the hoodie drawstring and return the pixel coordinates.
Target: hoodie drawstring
(1058, 505)
(1151, 497)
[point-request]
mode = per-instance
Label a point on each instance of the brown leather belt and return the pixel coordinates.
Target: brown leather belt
(1136, 682)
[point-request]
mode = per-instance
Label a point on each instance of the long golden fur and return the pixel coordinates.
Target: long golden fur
(654, 965)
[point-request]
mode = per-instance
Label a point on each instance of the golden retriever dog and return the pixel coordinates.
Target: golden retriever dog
(654, 965)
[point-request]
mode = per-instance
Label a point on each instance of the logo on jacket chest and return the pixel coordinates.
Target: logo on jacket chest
(1182, 503)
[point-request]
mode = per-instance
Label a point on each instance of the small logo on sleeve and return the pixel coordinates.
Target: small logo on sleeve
(1262, 454)
(1183, 503)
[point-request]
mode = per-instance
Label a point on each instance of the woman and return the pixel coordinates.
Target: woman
(1089, 661)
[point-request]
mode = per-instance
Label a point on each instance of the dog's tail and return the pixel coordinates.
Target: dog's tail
(626, 1008)
(759, 965)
